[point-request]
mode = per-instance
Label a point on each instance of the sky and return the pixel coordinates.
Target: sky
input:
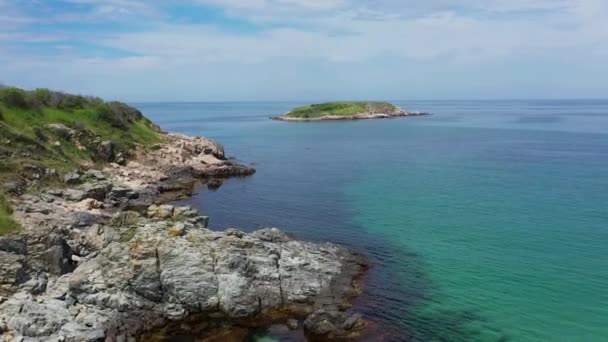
(248, 50)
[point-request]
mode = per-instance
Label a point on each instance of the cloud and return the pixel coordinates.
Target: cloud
(301, 38)
(277, 5)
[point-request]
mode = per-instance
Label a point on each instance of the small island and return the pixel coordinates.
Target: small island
(345, 111)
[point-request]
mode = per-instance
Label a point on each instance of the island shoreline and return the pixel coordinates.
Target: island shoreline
(359, 116)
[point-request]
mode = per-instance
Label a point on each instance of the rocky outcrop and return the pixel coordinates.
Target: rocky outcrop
(144, 276)
(105, 259)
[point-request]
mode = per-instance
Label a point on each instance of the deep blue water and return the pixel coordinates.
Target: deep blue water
(487, 221)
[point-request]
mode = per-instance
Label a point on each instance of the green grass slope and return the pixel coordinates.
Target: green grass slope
(7, 224)
(340, 109)
(29, 141)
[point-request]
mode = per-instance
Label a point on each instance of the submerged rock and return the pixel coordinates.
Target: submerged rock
(214, 183)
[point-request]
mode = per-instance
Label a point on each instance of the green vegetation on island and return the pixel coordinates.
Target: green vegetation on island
(45, 133)
(341, 109)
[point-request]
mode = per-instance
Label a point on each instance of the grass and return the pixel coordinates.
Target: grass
(25, 137)
(24, 131)
(7, 224)
(341, 109)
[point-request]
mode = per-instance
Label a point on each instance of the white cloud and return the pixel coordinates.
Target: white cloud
(417, 37)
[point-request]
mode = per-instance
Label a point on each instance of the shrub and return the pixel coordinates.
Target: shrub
(14, 97)
(72, 102)
(118, 114)
(44, 96)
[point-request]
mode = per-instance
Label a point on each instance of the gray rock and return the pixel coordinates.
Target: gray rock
(84, 219)
(96, 191)
(17, 187)
(129, 285)
(38, 284)
(54, 192)
(175, 312)
(186, 212)
(162, 212)
(271, 235)
(74, 195)
(63, 130)
(104, 151)
(121, 159)
(12, 272)
(73, 178)
(95, 174)
(234, 232)
(123, 192)
(30, 318)
(51, 173)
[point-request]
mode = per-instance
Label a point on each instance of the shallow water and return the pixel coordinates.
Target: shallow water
(485, 222)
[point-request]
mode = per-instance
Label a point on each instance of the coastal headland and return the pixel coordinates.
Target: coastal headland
(92, 250)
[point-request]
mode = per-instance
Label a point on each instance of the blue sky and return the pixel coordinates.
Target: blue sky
(216, 50)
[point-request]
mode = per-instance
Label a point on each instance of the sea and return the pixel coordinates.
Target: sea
(486, 221)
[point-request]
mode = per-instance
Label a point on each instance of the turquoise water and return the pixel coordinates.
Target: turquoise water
(485, 222)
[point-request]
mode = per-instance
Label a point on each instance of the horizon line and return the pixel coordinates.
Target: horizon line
(394, 100)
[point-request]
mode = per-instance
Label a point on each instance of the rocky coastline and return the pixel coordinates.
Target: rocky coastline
(359, 116)
(103, 257)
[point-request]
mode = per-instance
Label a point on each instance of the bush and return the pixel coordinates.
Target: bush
(118, 114)
(42, 95)
(72, 102)
(14, 97)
